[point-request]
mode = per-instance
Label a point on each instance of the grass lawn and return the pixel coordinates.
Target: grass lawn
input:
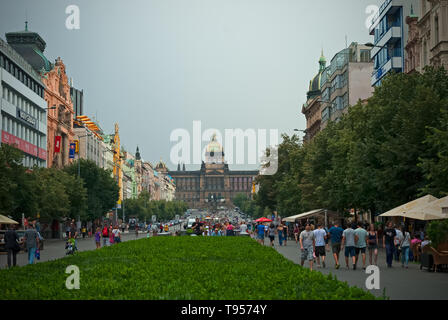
(186, 268)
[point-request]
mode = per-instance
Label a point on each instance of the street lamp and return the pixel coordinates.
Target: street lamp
(50, 108)
(371, 45)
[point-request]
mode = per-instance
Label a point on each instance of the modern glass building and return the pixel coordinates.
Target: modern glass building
(23, 116)
(390, 33)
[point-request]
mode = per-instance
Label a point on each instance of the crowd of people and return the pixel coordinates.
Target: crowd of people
(358, 242)
(224, 228)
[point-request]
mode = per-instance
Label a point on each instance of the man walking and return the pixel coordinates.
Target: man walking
(32, 242)
(307, 245)
(361, 236)
(320, 235)
(12, 245)
(260, 233)
(388, 242)
(348, 239)
(336, 237)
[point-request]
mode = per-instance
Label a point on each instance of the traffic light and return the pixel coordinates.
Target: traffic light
(76, 146)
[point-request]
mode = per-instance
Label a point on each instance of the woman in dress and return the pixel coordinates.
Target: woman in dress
(373, 243)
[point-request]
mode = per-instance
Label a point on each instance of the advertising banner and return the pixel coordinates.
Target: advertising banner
(57, 144)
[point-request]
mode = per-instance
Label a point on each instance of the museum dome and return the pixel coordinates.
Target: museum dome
(214, 145)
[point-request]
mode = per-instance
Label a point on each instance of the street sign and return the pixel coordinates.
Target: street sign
(154, 218)
(72, 151)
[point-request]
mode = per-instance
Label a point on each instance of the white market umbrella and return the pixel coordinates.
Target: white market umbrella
(401, 211)
(6, 220)
(431, 211)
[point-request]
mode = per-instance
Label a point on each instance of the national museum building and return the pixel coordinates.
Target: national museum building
(214, 183)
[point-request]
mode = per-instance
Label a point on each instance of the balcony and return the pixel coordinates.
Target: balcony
(385, 7)
(395, 63)
(392, 35)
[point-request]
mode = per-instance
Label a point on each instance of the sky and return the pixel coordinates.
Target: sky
(155, 66)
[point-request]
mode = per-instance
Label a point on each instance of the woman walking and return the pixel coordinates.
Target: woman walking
(280, 233)
(405, 245)
(285, 233)
(373, 243)
(272, 234)
(111, 235)
(296, 232)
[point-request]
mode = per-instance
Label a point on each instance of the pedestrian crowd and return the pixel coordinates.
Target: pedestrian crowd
(224, 228)
(358, 242)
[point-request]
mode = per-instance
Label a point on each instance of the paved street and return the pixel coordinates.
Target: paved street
(400, 284)
(55, 249)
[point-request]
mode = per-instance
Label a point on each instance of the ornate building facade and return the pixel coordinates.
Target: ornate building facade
(343, 83)
(427, 43)
(312, 108)
(60, 119)
(214, 182)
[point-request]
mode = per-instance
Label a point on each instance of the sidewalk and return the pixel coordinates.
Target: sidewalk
(400, 283)
(55, 249)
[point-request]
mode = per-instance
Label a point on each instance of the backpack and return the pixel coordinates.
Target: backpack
(105, 232)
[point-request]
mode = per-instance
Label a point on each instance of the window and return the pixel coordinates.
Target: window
(365, 55)
(325, 114)
(436, 26)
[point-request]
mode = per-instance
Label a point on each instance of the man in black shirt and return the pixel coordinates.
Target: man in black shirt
(388, 243)
(197, 227)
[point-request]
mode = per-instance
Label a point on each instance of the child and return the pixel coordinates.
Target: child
(98, 238)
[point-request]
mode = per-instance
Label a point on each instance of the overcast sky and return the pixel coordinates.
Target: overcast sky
(157, 65)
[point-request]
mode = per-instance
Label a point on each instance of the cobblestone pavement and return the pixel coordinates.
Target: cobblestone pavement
(400, 283)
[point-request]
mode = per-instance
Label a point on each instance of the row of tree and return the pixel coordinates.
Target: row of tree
(51, 193)
(143, 208)
(383, 153)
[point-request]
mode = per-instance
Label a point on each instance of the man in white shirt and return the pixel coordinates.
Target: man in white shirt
(320, 235)
(243, 229)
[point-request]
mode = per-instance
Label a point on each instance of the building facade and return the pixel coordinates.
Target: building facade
(390, 33)
(57, 94)
(91, 146)
(427, 43)
(23, 114)
(342, 83)
(214, 182)
(312, 107)
(345, 81)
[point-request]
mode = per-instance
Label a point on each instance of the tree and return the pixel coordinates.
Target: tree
(17, 194)
(102, 189)
(60, 194)
(381, 154)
